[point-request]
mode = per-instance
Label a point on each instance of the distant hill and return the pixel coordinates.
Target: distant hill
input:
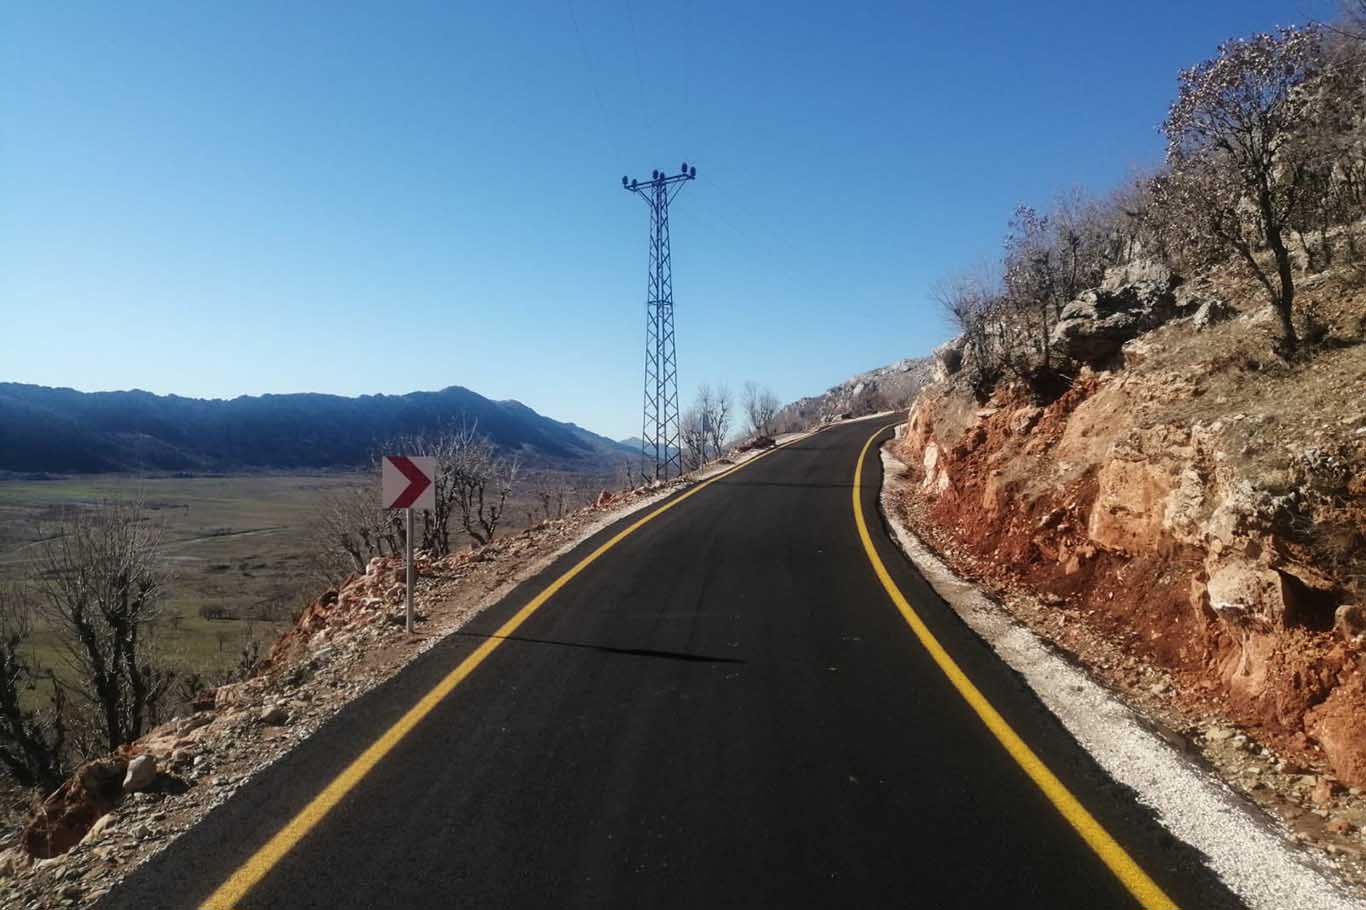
(66, 431)
(887, 388)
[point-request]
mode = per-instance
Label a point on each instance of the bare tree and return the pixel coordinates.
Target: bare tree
(31, 741)
(1353, 21)
(471, 488)
(553, 491)
(348, 529)
(717, 416)
(761, 406)
(102, 584)
(973, 302)
(480, 481)
(692, 430)
(1229, 134)
(1330, 146)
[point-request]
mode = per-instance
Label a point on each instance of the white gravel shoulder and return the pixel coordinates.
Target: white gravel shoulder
(1241, 846)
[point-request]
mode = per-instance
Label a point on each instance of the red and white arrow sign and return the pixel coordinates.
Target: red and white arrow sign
(406, 482)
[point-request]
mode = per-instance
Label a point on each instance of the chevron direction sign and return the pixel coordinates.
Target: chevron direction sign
(406, 482)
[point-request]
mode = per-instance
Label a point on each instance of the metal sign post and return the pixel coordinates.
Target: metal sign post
(406, 483)
(408, 561)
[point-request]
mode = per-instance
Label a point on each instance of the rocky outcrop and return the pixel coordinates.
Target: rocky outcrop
(947, 359)
(65, 816)
(1139, 271)
(887, 388)
(1207, 511)
(1093, 328)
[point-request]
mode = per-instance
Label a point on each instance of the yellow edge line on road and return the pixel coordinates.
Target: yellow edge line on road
(1097, 838)
(263, 860)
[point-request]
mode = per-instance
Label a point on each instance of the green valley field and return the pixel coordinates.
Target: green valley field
(237, 547)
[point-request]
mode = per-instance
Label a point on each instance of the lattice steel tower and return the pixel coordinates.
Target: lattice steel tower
(660, 444)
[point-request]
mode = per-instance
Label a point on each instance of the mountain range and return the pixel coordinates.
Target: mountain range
(59, 430)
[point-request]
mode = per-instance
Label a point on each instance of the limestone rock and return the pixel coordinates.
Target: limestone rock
(947, 359)
(1093, 328)
(936, 470)
(1349, 622)
(273, 716)
(1150, 270)
(142, 771)
(1210, 311)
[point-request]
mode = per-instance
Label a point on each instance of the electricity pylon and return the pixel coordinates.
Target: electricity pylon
(660, 443)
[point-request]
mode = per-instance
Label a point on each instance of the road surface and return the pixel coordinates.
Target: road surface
(724, 708)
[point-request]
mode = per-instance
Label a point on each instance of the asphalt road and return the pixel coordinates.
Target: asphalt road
(725, 709)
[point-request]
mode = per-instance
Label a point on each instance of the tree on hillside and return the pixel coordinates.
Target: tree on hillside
(101, 586)
(1032, 282)
(472, 484)
(1332, 151)
(973, 302)
(717, 407)
(1354, 19)
(1229, 141)
(31, 740)
(480, 480)
(761, 406)
(347, 529)
(554, 491)
(692, 431)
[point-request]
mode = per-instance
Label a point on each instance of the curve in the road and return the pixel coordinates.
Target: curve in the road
(226, 896)
(723, 712)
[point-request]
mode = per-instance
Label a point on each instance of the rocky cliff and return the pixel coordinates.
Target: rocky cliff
(886, 388)
(1188, 493)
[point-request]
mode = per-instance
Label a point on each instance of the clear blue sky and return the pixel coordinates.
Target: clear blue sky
(217, 199)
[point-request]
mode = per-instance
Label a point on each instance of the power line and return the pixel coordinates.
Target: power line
(592, 77)
(635, 49)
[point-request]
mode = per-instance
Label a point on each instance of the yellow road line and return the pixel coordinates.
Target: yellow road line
(263, 860)
(1150, 896)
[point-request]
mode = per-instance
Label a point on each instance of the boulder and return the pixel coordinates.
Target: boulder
(1349, 622)
(937, 478)
(273, 716)
(947, 359)
(142, 771)
(1208, 312)
(1093, 328)
(65, 816)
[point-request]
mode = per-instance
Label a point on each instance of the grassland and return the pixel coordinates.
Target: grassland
(236, 546)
